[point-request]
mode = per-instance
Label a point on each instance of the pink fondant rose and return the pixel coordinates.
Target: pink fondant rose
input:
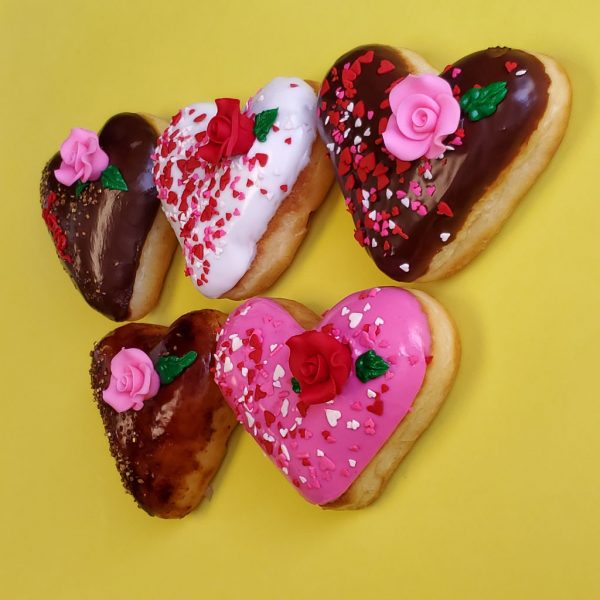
(82, 158)
(132, 380)
(424, 112)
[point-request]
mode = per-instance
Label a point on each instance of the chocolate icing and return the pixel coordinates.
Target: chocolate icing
(155, 447)
(106, 229)
(460, 178)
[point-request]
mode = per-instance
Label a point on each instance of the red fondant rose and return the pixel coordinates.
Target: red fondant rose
(321, 365)
(229, 132)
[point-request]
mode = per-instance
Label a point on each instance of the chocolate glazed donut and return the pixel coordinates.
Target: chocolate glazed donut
(167, 452)
(105, 231)
(405, 213)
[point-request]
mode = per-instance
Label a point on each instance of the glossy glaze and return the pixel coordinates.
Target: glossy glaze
(483, 151)
(156, 448)
(105, 230)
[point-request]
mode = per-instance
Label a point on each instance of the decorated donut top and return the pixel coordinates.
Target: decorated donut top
(222, 173)
(414, 153)
(99, 203)
(321, 403)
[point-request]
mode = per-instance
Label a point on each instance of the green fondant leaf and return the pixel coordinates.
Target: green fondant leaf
(170, 366)
(263, 123)
(370, 365)
(112, 179)
(79, 187)
(295, 385)
(479, 103)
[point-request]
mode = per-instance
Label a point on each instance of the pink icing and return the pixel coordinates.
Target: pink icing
(132, 381)
(82, 158)
(424, 112)
(323, 448)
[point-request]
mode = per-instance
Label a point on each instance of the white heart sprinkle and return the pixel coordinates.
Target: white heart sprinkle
(285, 405)
(273, 346)
(388, 193)
(283, 432)
(357, 140)
(367, 307)
(444, 237)
(284, 451)
(278, 373)
(367, 132)
(379, 321)
(358, 122)
(405, 201)
(373, 215)
(373, 243)
(331, 145)
(355, 319)
(350, 107)
(236, 343)
(228, 365)
(244, 371)
(391, 224)
(354, 425)
(277, 384)
(333, 416)
(320, 452)
(427, 175)
(345, 311)
(521, 72)
(351, 462)
(250, 419)
(302, 479)
(405, 267)
(371, 393)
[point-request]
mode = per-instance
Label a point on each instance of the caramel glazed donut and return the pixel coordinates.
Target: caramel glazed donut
(241, 212)
(108, 231)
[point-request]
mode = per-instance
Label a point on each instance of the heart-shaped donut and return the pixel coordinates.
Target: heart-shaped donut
(238, 187)
(336, 402)
(101, 208)
(430, 167)
(165, 419)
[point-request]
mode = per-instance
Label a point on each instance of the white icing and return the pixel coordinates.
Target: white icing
(231, 252)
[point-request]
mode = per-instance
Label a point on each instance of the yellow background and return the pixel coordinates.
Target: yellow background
(500, 499)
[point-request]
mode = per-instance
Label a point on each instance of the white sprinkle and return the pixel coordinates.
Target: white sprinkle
(367, 307)
(371, 393)
(228, 365)
(320, 452)
(357, 140)
(358, 122)
(273, 346)
(373, 243)
(405, 201)
(520, 72)
(250, 419)
(302, 479)
(391, 224)
(379, 321)
(331, 145)
(333, 416)
(236, 343)
(350, 107)
(285, 470)
(388, 193)
(347, 133)
(285, 452)
(245, 311)
(444, 237)
(351, 462)
(373, 215)
(277, 384)
(354, 424)
(355, 318)
(405, 267)
(327, 120)
(244, 371)
(283, 432)
(345, 311)
(268, 438)
(298, 421)
(285, 405)
(365, 194)
(367, 132)
(427, 175)
(278, 373)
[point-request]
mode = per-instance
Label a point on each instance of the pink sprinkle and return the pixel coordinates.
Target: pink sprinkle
(456, 72)
(430, 189)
